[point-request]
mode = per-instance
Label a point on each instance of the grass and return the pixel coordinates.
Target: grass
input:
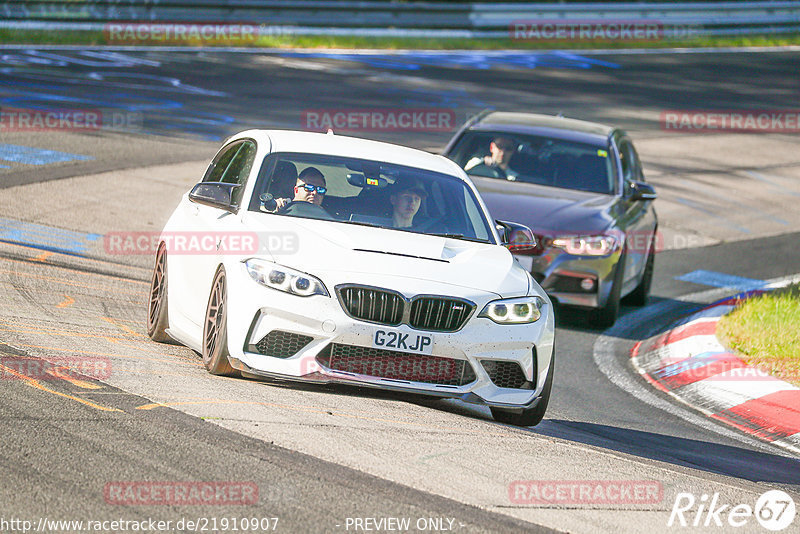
(393, 43)
(766, 332)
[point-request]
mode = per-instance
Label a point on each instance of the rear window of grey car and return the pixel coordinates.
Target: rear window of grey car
(540, 160)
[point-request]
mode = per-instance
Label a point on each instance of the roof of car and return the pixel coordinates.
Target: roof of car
(341, 145)
(533, 123)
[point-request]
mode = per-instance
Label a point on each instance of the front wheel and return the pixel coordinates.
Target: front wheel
(531, 416)
(157, 311)
(606, 316)
(638, 297)
(215, 329)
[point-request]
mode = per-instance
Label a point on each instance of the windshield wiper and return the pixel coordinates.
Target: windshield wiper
(460, 236)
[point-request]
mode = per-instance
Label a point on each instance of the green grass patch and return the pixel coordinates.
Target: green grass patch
(393, 43)
(765, 330)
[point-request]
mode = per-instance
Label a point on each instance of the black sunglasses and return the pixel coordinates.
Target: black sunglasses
(311, 188)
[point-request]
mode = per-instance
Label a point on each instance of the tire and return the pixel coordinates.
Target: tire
(638, 297)
(215, 329)
(158, 310)
(531, 416)
(606, 316)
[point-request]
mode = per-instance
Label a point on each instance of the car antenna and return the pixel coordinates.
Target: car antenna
(560, 114)
(330, 131)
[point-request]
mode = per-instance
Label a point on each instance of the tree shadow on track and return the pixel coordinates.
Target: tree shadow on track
(710, 457)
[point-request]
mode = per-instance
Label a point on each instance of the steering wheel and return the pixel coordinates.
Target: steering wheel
(487, 171)
(301, 208)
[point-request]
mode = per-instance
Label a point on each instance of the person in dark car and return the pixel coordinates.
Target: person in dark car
(501, 149)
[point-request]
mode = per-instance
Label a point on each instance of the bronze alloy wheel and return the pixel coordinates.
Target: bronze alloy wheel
(157, 313)
(215, 329)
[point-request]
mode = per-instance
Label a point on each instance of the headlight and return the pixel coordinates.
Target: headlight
(590, 245)
(284, 279)
(514, 311)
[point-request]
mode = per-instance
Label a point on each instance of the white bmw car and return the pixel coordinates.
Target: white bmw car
(324, 258)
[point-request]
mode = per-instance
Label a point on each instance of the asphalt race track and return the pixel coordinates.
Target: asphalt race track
(322, 457)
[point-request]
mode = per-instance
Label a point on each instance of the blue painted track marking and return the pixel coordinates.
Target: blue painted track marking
(778, 188)
(474, 60)
(44, 237)
(34, 79)
(450, 98)
(715, 279)
(37, 156)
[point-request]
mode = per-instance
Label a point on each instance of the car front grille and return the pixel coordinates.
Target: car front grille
(425, 312)
(436, 313)
(395, 365)
(505, 374)
(373, 305)
(282, 344)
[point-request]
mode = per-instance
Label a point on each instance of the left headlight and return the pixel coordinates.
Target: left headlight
(284, 278)
(514, 311)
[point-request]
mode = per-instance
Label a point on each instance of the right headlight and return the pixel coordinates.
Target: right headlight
(588, 245)
(519, 310)
(284, 278)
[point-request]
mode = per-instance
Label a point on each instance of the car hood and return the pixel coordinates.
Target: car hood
(549, 210)
(364, 253)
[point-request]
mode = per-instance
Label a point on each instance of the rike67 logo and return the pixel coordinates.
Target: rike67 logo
(773, 510)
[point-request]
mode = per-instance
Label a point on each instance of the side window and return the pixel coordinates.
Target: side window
(240, 165)
(637, 167)
(232, 166)
(631, 167)
(220, 163)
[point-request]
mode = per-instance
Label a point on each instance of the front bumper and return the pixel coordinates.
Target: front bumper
(320, 322)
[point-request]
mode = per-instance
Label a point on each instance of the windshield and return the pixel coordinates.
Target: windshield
(372, 193)
(535, 159)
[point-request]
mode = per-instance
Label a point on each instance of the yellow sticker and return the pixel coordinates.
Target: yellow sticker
(602, 153)
(372, 181)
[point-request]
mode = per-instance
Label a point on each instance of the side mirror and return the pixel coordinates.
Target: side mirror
(215, 194)
(642, 191)
(517, 238)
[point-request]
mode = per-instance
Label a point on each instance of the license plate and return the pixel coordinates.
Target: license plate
(395, 340)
